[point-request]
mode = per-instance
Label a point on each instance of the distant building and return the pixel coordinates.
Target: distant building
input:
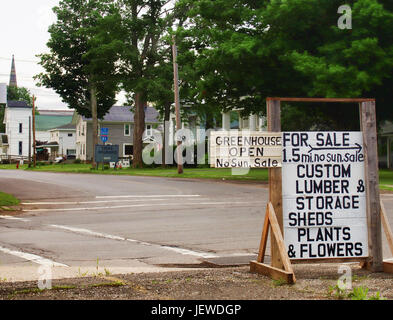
(50, 119)
(232, 120)
(120, 123)
(13, 82)
(386, 140)
(17, 115)
(65, 137)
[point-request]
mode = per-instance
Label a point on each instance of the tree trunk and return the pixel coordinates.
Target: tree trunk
(209, 121)
(165, 142)
(93, 103)
(139, 128)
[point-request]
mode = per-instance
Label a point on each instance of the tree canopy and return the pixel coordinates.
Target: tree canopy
(142, 60)
(79, 55)
(80, 66)
(239, 52)
(19, 94)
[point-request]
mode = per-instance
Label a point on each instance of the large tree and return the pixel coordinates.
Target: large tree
(142, 24)
(80, 66)
(243, 51)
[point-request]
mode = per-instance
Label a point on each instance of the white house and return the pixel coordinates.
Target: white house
(50, 119)
(17, 139)
(233, 120)
(65, 137)
(17, 115)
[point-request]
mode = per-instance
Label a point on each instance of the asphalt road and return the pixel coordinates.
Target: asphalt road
(82, 224)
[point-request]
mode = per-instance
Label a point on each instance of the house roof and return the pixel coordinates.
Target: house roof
(68, 126)
(49, 145)
(46, 122)
(46, 112)
(17, 104)
(124, 114)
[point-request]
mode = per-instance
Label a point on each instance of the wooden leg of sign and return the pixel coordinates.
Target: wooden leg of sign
(272, 272)
(386, 227)
(275, 197)
(273, 112)
(387, 265)
(258, 266)
(368, 126)
(276, 230)
(265, 233)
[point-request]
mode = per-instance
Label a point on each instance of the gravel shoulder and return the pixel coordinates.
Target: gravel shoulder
(314, 282)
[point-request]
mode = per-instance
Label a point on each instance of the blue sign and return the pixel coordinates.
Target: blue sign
(104, 131)
(104, 138)
(106, 153)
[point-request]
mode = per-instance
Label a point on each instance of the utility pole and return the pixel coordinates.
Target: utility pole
(34, 146)
(177, 105)
(29, 141)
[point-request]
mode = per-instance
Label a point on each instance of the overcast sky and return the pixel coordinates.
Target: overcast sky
(24, 33)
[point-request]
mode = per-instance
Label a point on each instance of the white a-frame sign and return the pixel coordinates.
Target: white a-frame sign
(324, 202)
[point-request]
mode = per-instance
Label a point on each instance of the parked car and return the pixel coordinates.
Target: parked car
(60, 159)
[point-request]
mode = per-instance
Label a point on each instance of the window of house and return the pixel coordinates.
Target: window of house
(20, 127)
(20, 147)
(126, 129)
(70, 134)
(71, 152)
(149, 130)
(128, 150)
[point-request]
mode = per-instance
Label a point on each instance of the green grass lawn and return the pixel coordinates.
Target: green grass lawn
(8, 200)
(385, 176)
(202, 173)
(386, 179)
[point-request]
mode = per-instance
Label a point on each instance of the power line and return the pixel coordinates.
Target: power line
(20, 60)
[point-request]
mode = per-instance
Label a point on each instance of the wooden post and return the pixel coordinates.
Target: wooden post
(30, 142)
(265, 233)
(388, 153)
(386, 227)
(258, 266)
(368, 126)
(34, 145)
(275, 184)
(177, 104)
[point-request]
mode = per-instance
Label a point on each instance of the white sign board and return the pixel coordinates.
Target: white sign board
(245, 149)
(324, 199)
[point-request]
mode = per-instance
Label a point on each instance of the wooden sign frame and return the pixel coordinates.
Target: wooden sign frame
(279, 267)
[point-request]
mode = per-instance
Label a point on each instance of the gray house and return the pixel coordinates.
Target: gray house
(120, 123)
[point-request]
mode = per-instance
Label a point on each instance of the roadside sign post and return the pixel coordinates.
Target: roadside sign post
(177, 104)
(106, 153)
(329, 209)
(323, 191)
(104, 138)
